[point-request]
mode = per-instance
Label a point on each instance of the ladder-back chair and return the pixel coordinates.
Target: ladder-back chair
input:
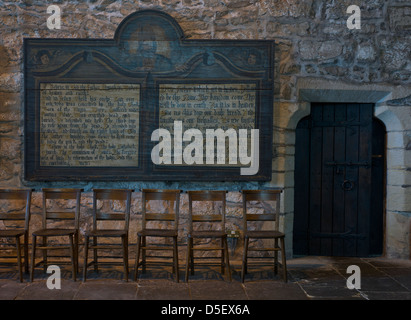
(215, 229)
(168, 222)
(100, 232)
(16, 225)
(273, 233)
(51, 216)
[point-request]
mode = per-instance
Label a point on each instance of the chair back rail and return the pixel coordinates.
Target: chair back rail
(17, 194)
(261, 195)
(173, 196)
(214, 196)
(114, 195)
(62, 194)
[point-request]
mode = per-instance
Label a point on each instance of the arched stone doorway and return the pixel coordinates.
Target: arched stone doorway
(339, 181)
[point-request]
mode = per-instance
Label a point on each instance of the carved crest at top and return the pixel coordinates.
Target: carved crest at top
(152, 41)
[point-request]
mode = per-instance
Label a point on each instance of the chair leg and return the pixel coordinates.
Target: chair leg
(19, 264)
(44, 254)
(136, 265)
(143, 254)
(284, 259)
(86, 240)
(276, 256)
(175, 258)
(188, 258)
(95, 254)
(227, 258)
(73, 257)
(33, 255)
(192, 256)
(76, 251)
(222, 244)
(125, 256)
(244, 266)
(26, 253)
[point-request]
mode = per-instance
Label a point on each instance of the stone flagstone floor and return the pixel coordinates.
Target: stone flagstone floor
(310, 278)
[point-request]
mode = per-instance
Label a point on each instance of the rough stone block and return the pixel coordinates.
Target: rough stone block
(397, 235)
(395, 54)
(308, 49)
(366, 52)
(398, 199)
(10, 148)
(399, 19)
(330, 49)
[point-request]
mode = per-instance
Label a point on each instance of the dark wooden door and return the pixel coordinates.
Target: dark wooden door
(334, 210)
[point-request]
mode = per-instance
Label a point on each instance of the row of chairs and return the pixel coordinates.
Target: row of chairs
(169, 230)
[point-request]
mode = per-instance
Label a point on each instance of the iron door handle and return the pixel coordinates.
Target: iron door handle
(347, 185)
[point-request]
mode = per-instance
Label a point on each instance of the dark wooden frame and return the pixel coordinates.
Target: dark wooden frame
(99, 61)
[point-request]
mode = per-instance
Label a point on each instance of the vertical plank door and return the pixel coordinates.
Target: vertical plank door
(334, 210)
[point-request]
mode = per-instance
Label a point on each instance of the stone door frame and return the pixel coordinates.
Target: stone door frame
(397, 225)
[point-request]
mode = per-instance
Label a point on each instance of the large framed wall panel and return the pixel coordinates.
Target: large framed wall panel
(98, 109)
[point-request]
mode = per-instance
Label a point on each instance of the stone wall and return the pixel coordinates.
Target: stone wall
(317, 58)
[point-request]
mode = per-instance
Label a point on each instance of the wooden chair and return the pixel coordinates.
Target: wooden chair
(100, 232)
(218, 220)
(14, 229)
(263, 195)
(170, 230)
(70, 232)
